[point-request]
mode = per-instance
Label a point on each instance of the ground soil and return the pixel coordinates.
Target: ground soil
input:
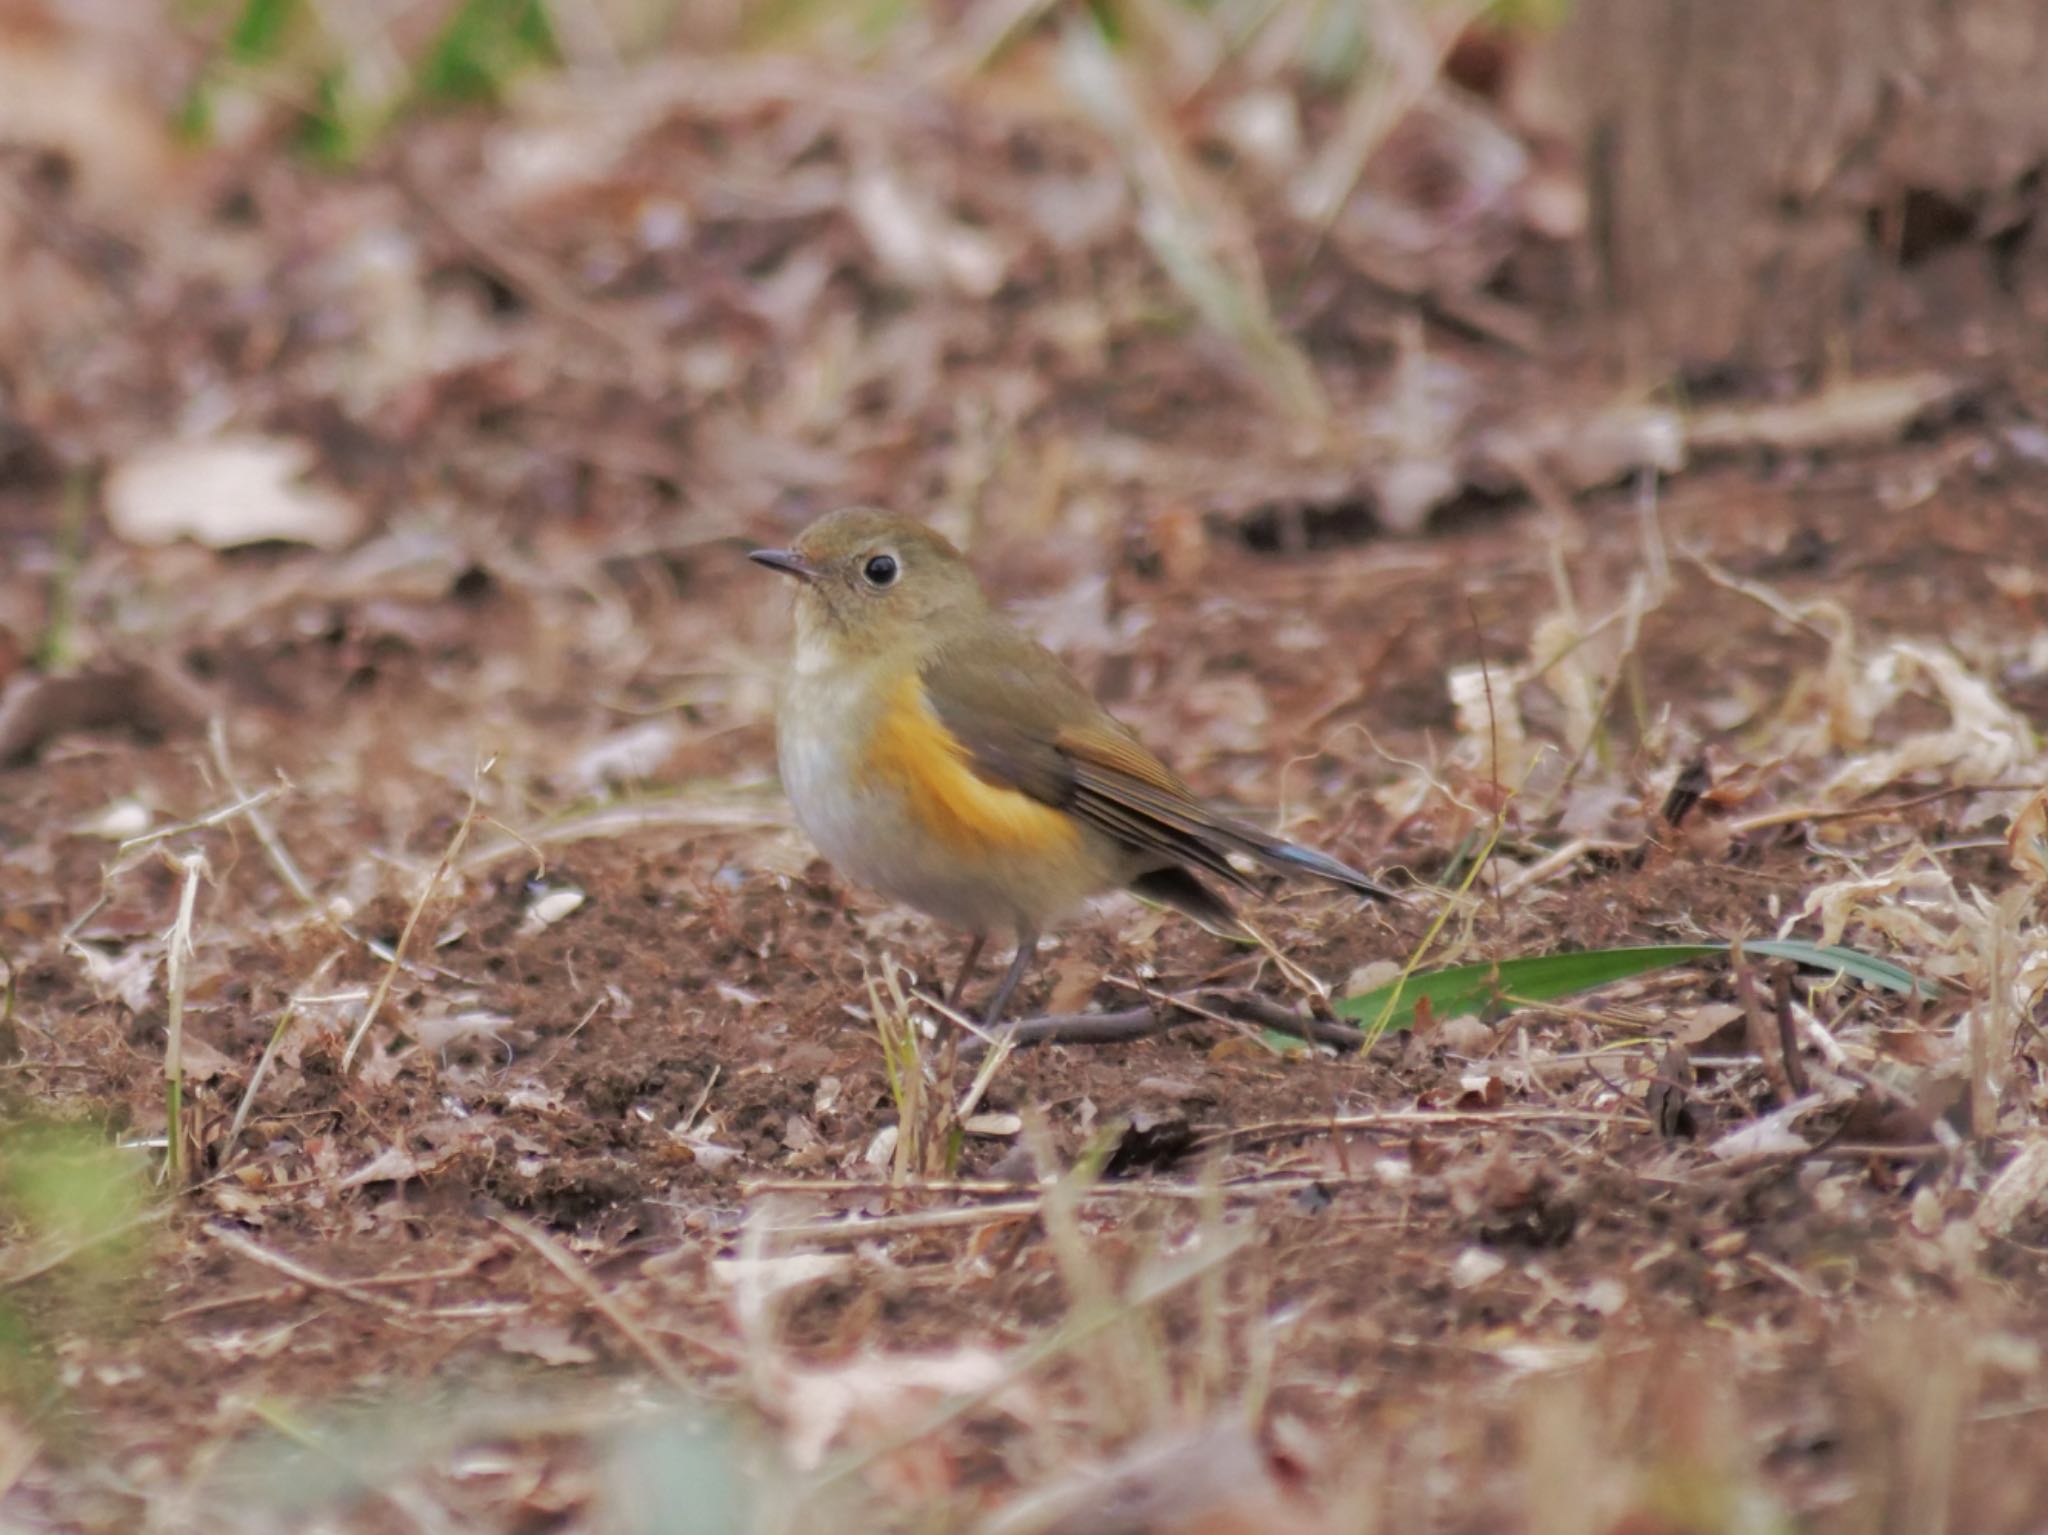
(354, 1305)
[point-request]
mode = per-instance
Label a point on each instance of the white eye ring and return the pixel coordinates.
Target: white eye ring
(881, 570)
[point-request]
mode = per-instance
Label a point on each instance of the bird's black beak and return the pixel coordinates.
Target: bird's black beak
(788, 561)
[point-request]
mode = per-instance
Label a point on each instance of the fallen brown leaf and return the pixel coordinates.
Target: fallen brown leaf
(148, 698)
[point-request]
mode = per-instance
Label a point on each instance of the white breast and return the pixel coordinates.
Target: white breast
(815, 772)
(865, 830)
(874, 838)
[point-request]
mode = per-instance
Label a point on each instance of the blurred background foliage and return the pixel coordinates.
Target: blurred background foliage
(350, 71)
(71, 1203)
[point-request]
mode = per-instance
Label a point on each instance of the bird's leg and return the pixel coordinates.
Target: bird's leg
(1027, 948)
(966, 969)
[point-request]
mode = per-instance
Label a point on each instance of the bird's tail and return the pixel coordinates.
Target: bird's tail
(1290, 858)
(1167, 821)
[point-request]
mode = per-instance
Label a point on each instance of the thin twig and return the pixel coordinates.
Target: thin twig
(1259, 1185)
(1244, 1136)
(218, 816)
(1795, 814)
(177, 971)
(1632, 634)
(121, 863)
(299, 1273)
(1762, 1040)
(563, 1262)
(214, 1303)
(1237, 1008)
(823, 1186)
(1081, 1029)
(1500, 795)
(361, 1293)
(860, 1230)
(60, 1256)
(1078, 1328)
(476, 789)
(1383, 1021)
(1250, 1007)
(1788, 1037)
(263, 1065)
(628, 820)
(279, 857)
(1558, 860)
(703, 1098)
(1764, 597)
(1171, 999)
(281, 862)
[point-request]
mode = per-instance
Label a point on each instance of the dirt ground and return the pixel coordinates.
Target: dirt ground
(601, 1229)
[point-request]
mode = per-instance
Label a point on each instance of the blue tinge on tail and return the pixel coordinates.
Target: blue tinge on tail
(1309, 861)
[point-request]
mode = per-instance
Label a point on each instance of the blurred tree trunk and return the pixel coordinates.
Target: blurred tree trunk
(1770, 178)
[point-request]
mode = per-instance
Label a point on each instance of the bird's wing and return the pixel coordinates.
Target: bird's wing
(1025, 722)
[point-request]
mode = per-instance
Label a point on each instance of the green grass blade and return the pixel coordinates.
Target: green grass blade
(484, 44)
(1463, 989)
(260, 31)
(1537, 978)
(1867, 968)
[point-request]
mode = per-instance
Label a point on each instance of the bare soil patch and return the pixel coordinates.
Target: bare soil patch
(579, 1216)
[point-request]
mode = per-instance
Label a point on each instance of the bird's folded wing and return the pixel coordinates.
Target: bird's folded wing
(1018, 727)
(1165, 805)
(1025, 722)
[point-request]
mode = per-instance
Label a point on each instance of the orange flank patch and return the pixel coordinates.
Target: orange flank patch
(914, 753)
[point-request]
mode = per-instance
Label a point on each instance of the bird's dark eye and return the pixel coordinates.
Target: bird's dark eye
(881, 570)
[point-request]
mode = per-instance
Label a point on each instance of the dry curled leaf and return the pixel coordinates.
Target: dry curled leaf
(2020, 1188)
(1218, 1480)
(2026, 840)
(225, 492)
(1667, 1102)
(1150, 1143)
(146, 698)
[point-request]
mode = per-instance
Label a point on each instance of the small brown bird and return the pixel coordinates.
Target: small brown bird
(936, 753)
